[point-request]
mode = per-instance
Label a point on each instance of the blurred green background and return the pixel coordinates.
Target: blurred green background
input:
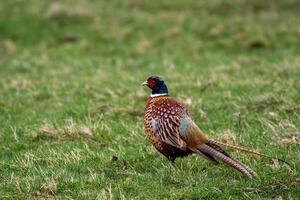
(71, 103)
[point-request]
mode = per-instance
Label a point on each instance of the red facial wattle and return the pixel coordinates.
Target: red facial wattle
(151, 83)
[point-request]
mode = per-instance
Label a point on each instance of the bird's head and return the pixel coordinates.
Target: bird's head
(157, 85)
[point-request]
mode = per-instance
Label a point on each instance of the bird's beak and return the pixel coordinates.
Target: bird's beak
(144, 83)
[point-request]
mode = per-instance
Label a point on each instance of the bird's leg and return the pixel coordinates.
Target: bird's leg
(172, 159)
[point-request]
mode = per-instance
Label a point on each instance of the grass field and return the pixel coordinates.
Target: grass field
(71, 103)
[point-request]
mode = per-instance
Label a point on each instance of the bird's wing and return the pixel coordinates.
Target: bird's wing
(166, 129)
(178, 131)
(166, 121)
(173, 124)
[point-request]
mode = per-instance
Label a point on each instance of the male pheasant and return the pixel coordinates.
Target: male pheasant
(171, 129)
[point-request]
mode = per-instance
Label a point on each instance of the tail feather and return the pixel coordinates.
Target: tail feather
(244, 149)
(206, 156)
(218, 148)
(246, 167)
(219, 155)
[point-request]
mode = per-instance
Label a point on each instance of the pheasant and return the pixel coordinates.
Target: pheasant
(173, 132)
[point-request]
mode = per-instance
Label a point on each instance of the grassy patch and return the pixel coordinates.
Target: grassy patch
(71, 101)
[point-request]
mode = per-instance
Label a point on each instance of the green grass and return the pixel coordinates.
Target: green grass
(71, 100)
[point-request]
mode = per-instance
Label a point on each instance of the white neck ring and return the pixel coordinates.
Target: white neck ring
(158, 95)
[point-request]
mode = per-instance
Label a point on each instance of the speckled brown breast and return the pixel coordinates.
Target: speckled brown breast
(167, 150)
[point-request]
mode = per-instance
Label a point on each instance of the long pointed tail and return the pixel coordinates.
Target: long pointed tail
(244, 149)
(217, 153)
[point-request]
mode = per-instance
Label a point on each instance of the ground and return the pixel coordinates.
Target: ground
(71, 103)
